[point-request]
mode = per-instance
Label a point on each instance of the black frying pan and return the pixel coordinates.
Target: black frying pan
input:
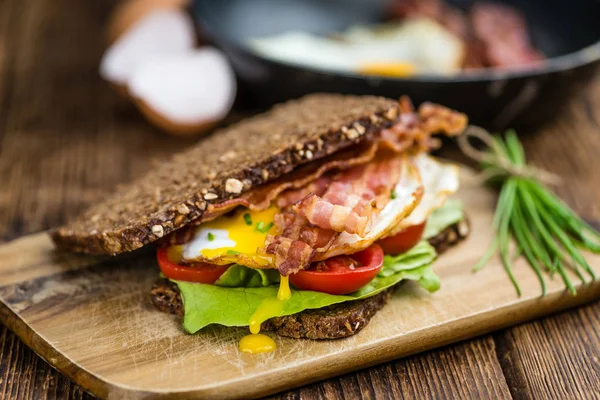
(568, 32)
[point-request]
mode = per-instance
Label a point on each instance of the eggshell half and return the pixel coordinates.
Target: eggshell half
(185, 93)
(162, 32)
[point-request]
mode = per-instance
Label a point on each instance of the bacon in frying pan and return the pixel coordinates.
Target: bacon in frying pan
(503, 31)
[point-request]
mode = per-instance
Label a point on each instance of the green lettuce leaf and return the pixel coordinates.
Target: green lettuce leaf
(233, 306)
(240, 276)
(448, 214)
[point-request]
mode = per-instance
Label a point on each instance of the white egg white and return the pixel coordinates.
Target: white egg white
(440, 180)
(219, 238)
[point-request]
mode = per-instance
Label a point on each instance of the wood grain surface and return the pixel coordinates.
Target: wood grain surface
(66, 138)
(91, 317)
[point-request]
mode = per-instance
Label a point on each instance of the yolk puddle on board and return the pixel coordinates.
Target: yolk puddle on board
(259, 343)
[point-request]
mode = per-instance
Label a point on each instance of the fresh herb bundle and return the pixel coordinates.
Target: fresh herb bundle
(544, 229)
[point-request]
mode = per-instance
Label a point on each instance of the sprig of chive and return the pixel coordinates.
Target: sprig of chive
(547, 233)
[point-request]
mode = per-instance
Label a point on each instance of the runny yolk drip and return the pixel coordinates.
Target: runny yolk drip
(284, 291)
(259, 343)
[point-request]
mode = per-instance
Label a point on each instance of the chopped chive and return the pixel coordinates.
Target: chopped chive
(232, 252)
(248, 219)
(211, 237)
(266, 228)
(260, 226)
(393, 195)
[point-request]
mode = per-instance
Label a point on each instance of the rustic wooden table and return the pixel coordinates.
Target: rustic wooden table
(66, 138)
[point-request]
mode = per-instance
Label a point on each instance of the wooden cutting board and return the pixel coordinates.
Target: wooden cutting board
(91, 318)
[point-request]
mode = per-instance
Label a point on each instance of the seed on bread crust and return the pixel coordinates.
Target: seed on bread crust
(158, 230)
(182, 209)
(391, 114)
(234, 186)
(359, 128)
(352, 134)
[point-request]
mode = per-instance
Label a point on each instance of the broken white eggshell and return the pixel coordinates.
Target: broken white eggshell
(162, 32)
(185, 93)
(127, 13)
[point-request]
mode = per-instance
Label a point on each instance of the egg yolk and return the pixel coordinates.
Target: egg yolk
(397, 70)
(256, 342)
(248, 230)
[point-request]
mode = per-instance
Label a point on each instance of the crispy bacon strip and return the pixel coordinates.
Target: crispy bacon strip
(353, 216)
(294, 226)
(414, 129)
(291, 197)
(290, 255)
(261, 198)
(297, 243)
(349, 202)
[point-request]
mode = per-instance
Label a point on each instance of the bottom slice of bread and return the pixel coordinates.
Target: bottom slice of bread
(333, 322)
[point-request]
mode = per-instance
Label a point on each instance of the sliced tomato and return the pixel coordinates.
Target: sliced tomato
(341, 274)
(402, 241)
(196, 272)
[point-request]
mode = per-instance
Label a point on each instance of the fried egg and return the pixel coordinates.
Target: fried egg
(233, 239)
(415, 46)
(440, 181)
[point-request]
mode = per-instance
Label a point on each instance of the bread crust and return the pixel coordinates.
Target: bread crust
(223, 166)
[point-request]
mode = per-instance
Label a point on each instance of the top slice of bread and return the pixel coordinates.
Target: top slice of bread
(220, 167)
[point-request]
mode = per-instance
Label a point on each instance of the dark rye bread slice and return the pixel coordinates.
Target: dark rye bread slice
(333, 322)
(220, 167)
